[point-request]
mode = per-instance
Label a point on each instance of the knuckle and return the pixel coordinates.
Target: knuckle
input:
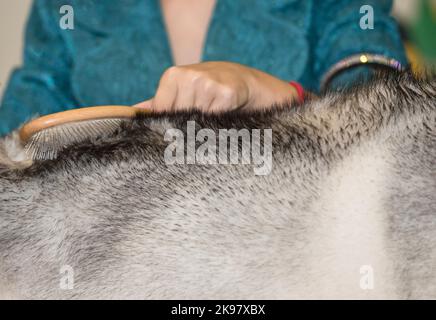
(228, 93)
(210, 86)
(195, 77)
(171, 72)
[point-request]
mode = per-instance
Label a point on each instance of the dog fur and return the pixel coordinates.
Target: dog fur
(351, 195)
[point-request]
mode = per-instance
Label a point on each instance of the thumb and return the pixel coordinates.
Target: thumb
(147, 104)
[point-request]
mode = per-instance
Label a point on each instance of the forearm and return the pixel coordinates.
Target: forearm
(339, 36)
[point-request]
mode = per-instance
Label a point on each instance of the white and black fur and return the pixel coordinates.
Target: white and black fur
(353, 185)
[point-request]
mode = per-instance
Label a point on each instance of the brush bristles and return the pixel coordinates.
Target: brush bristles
(46, 144)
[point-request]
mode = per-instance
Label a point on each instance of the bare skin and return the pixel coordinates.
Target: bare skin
(187, 22)
(216, 87)
(208, 86)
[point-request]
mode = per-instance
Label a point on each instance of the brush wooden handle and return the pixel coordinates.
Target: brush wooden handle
(75, 115)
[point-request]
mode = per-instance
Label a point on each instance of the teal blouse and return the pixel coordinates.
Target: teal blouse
(118, 49)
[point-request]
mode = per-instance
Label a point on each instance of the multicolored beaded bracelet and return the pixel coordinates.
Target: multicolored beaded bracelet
(359, 59)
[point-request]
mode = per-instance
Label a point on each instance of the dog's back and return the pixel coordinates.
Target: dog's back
(348, 210)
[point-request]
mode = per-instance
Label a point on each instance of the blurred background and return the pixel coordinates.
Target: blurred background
(417, 20)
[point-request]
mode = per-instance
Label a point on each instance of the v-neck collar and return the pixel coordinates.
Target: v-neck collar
(161, 21)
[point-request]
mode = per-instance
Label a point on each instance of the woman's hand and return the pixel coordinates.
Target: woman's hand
(217, 87)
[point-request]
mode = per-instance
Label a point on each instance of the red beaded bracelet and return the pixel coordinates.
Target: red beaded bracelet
(300, 90)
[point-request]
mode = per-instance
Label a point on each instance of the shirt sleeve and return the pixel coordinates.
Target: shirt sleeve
(338, 32)
(42, 84)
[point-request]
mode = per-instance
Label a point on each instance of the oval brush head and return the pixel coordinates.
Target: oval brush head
(44, 137)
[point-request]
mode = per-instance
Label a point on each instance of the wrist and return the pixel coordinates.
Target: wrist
(266, 90)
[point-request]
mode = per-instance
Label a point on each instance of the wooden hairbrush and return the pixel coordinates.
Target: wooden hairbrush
(44, 137)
